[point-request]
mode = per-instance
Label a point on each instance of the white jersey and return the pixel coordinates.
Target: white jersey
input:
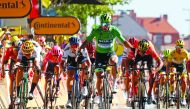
(68, 53)
(35, 54)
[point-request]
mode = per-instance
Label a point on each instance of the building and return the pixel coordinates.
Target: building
(162, 32)
(129, 27)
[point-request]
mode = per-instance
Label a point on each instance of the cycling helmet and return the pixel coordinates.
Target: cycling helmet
(143, 45)
(27, 47)
(56, 50)
(42, 39)
(73, 40)
(166, 52)
(105, 18)
(180, 42)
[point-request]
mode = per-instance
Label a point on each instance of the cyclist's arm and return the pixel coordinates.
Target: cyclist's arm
(45, 62)
(156, 57)
(117, 33)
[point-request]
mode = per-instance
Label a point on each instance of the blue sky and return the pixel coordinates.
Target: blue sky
(178, 11)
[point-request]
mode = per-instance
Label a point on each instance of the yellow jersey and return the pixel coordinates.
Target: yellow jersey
(178, 58)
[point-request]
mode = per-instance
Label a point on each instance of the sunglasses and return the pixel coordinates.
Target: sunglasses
(180, 47)
(74, 46)
(106, 24)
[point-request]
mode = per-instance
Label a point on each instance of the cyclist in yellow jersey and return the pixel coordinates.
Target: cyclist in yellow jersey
(178, 59)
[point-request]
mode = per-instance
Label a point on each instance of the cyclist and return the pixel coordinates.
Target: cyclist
(52, 63)
(105, 35)
(162, 78)
(178, 59)
(71, 52)
(128, 61)
(146, 52)
(11, 53)
(28, 52)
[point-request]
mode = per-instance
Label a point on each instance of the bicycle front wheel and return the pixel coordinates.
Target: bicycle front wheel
(106, 95)
(75, 95)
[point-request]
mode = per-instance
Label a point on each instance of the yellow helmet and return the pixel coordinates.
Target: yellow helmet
(14, 39)
(180, 42)
(143, 45)
(27, 47)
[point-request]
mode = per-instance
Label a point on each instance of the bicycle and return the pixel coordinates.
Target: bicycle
(76, 93)
(51, 90)
(90, 83)
(141, 99)
(107, 92)
(13, 76)
(23, 93)
(163, 91)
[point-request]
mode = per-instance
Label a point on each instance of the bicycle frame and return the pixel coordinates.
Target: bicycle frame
(107, 93)
(141, 86)
(23, 94)
(50, 93)
(76, 95)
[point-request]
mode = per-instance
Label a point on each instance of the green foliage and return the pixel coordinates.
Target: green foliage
(82, 11)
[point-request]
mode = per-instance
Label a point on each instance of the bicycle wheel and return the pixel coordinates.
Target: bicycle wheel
(22, 95)
(51, 94)
(141, 96)
(47, 95)
(178, 95)
(13, 97)
(106, 95)
(158, 97)
(166, 101)
(87, 98)
(75, 95)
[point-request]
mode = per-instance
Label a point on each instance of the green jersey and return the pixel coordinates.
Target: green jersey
(105, 39)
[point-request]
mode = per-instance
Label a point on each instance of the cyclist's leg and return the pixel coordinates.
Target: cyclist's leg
(69, 82)
(11, 77)
(19, 76)
(127, 79)
(84, 77)
(113, 61)
(35, 80)
(57, 72)
(184, 87)
(149, 60)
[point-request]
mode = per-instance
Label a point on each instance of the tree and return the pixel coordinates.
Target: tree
(82, 11)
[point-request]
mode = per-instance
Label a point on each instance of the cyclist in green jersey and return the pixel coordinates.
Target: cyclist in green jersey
(105, 35)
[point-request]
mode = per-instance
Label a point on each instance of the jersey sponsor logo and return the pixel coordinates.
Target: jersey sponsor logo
(105, 43)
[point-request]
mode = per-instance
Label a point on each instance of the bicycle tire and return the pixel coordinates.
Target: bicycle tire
(87, 98)
(46, 97)
(167, 95)
(75, 95)
(178, 95)
(13, 98)
(158, 97)
(51, 94)
(105, 95)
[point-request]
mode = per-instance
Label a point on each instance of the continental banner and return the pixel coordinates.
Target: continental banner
(55, 25)
(14, 8)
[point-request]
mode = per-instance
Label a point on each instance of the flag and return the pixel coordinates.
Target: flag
(46, 3)
(35, 9)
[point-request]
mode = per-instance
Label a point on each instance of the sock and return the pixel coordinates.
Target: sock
(33, 87)
(69, 95)
(18, 90)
